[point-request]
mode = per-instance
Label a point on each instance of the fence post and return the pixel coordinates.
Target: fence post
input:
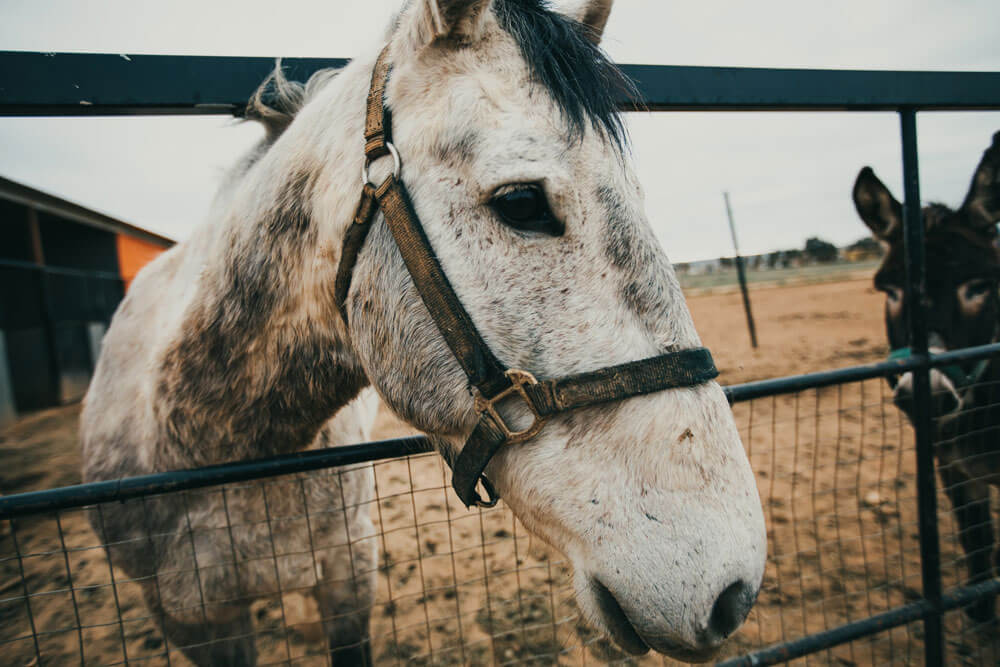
(913, 230)
(741, 274)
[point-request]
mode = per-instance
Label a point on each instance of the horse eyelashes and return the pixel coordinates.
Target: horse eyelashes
(525, 208)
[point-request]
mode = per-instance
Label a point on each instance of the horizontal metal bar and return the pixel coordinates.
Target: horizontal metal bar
(85, 84)
(81, 495)
(794, 383)
(963, 355)
(863, 628)
(666, 88)
(88, 84)
(58, 270)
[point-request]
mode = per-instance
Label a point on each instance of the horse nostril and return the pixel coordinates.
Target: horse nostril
(731, 608)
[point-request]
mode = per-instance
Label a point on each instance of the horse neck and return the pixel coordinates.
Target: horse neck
(261, 358)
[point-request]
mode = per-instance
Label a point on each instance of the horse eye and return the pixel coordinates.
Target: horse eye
(525, 208)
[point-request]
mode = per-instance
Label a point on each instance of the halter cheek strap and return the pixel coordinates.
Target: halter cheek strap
(492, 380)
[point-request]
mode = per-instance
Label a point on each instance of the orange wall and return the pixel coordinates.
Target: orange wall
(133, 254)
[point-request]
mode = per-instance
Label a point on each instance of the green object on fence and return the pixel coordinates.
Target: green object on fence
(954, 372)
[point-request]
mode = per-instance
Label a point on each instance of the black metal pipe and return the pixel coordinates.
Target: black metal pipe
(87, 84)
(965, 354)
(741, 274)
(745, 291)
(795, 383)
(833, 637)
(893, 618)
(923, 426)
(81, 495)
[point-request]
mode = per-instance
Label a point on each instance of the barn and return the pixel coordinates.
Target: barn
(63, 270)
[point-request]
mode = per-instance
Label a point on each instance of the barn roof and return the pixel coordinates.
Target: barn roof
(48, 203)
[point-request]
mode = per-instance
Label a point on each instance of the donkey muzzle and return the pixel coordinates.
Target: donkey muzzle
(946, 400)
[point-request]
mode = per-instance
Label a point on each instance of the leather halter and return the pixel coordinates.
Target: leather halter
(493, 381)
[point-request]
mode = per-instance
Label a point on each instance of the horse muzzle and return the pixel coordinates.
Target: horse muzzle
(727, 613)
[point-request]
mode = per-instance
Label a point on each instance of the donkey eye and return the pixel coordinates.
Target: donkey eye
(975, 289)
(525, 208)
(894, 292)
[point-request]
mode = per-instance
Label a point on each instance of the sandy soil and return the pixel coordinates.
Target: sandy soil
(835, 471)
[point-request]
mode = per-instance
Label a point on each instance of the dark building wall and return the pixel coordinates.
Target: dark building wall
(51, 315)
(63, 271)
(72, 245)
(15, 237)
(22, 319)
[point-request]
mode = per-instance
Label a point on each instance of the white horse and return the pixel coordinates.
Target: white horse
(231, 345)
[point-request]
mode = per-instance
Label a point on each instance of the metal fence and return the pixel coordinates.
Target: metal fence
(866, 563)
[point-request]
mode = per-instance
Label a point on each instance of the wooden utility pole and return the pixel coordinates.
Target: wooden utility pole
(741, 273)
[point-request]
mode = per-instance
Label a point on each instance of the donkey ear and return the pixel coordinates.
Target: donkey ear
(593, 15)
(877, 207)
(458, 21)
(982, 204)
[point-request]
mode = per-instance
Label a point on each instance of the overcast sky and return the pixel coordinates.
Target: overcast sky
(789, 175)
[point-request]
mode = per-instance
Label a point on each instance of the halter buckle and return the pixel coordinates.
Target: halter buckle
(518, 381)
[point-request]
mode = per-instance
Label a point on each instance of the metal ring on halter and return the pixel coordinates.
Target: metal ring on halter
(397, 164)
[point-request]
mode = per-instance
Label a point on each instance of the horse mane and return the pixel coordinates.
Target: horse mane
(277, 99)
(561, 57)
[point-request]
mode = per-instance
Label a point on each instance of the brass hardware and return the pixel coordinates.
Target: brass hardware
(519, 380)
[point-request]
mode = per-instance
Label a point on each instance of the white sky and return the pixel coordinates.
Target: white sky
(789, 175)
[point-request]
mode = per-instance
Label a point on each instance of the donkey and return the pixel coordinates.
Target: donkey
(962, 307)
(507, 135)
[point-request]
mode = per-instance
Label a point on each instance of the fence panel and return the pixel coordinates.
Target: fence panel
(870, 560)
(452, 586)
(835, 466)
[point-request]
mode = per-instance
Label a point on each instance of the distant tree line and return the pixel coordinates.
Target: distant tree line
(815, 251)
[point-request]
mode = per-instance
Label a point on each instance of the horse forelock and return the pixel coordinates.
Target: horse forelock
(583, 82)
(574, 71)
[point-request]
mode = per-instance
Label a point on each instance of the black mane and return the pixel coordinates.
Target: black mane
(573, 70)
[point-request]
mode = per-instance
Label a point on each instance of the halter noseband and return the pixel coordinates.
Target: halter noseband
(493, 381)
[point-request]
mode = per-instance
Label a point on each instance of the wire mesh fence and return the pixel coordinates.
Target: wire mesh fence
(837, 480)
(451, 586)
(276, 567)
(967, 461)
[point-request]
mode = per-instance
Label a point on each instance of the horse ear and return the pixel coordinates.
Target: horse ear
(593, 15)
(458, 21)
(877, 207)
(982, 204)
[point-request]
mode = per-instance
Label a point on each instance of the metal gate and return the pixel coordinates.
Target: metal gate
(888, 573)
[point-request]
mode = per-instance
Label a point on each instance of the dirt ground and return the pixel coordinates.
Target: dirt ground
(834, 467)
